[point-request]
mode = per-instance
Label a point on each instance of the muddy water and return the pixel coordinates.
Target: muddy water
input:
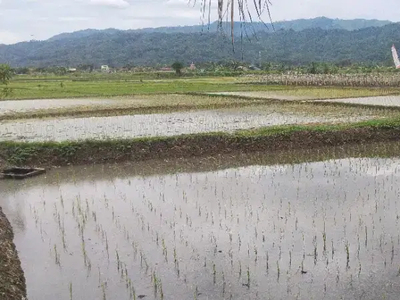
(312, 230)
(389, 101)
(117, 127)
(12, 106)
(262, 95)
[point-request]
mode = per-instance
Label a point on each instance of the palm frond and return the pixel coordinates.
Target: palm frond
(228, 8)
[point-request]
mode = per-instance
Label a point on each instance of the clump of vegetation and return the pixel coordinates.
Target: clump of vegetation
(177, 66)
(312, 78)
(6, 74)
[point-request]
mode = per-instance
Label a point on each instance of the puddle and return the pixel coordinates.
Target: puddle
(224, 231)
(133, 126)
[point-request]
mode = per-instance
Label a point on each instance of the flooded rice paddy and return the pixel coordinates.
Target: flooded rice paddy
(18, 106)
(389, 101)
(263, 95)
(24, 108)
(170, 124)
(240, 227)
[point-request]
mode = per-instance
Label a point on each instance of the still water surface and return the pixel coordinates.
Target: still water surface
(237, 227)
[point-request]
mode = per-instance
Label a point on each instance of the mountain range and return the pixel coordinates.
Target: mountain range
(295, 42)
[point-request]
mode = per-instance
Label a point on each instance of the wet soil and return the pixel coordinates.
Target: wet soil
(12, 280)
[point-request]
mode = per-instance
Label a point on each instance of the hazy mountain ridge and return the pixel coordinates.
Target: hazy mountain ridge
(140, 47)
(297, 25)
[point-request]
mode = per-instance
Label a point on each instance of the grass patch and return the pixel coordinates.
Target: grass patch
(65, 87)
(42, 89)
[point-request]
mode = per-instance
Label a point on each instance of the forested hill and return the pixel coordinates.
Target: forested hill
(297, 25)
(249, 28)
(118, 48)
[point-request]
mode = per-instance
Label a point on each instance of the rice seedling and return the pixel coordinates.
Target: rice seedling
(214, 273)
(248, 277)
(103, 289)
(347, 246)
(56, 256)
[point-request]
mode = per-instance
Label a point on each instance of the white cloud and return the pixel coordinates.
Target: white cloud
(7, 37)
(45, 18)
(74, 19)
(110, 3)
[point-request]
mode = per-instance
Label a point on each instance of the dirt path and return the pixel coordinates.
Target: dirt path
(12, 280)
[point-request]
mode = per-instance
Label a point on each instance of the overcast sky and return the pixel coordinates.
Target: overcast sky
(40, 19)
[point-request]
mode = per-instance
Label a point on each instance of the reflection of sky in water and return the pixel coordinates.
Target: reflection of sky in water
(281, 210)
(16, 106)
(149, 125)
(382, 100)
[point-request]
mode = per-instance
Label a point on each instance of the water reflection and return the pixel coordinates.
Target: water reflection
(321, 224)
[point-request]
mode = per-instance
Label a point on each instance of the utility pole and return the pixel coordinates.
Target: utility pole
(259, 59)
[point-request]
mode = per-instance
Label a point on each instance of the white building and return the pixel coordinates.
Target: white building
(105, 68)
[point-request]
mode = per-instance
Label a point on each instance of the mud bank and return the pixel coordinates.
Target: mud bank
(12, 281)
(48, 154)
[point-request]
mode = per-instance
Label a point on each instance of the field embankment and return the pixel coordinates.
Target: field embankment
(264, 139)
(12, 281)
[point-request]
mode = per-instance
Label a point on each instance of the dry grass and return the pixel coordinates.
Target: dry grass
(343, 80)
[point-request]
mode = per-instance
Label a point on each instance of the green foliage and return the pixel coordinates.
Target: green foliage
(296, 25)
(5, 73)
(322, 68)
(6, 92)
(313, 68)
(22, 71)
(20, 154)
(177, 66)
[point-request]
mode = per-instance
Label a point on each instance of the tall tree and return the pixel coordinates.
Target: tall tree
(177, 66)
